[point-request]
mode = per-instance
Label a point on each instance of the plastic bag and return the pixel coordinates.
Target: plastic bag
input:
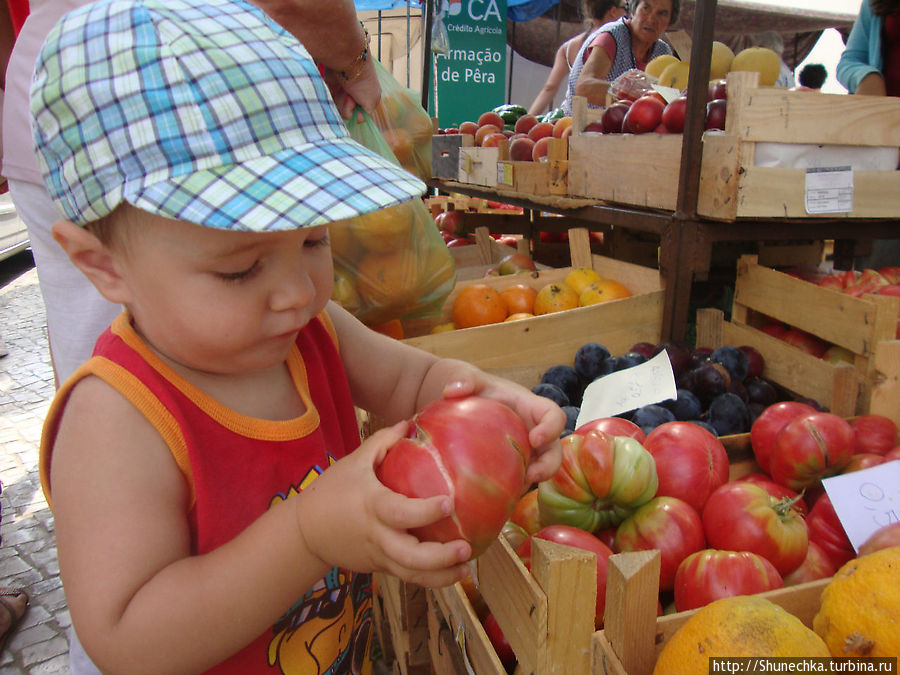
(393, 263)
(440, 38)
(405, 125)
(632, 84)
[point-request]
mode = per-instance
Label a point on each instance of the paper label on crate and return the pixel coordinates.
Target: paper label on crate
(829, 189)
(504, 173)
(866, 500)
(649, 382)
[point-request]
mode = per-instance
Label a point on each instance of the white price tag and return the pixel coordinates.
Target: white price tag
(649, 382)
(866, 500)
(829, 189)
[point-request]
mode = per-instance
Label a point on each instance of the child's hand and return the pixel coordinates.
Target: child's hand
(545, 420)
(347, 518)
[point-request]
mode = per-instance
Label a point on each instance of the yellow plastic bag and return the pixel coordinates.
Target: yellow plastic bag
(392, 263)
(405, 125)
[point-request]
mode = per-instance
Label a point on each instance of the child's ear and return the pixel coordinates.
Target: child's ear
(93, 258)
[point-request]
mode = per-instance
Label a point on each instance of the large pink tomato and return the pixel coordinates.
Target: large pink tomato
(474, 449)
(690, 461)
(810, 448)
(602, 479)
(741, 516)
(614, 426)
(769, 423)
(667, 524)
(874, 433)
(711, 574)
(817, 565)
(826, 531)
(577, 538)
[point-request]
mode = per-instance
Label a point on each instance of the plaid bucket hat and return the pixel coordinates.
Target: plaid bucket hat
(205, 111)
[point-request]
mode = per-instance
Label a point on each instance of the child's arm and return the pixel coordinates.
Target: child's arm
(141, 602)
(394, 380)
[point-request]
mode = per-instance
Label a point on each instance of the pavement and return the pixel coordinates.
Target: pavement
(27, 544)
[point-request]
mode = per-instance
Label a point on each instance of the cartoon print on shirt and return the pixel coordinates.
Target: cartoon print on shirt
(329, 630)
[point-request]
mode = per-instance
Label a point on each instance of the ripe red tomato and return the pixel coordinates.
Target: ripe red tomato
(644, 115)
(690, 462)
(825, 529)
(863, 460)
(776, 490)
(614, 426)
(816, 565)
(810, 448)
(499, 642)
(667, 524)
(602, 480)
(474, 449)
(874, 433)
(805, 342)
(577, 538)
(741, 516)
(710, 574)
(769, 423)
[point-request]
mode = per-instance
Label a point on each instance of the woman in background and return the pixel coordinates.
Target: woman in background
(623, 45)
(870, 63)
(599, 12)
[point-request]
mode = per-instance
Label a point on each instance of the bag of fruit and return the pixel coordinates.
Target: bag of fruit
(393, 263)
(404, 124)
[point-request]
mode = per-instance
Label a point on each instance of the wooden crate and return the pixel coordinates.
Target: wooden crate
(478, 166)
(643, 169)
(445, 150)
(538, 342)
(400, 620)
(866, 326)
(548, 615)
(633, 636)
(539, 178)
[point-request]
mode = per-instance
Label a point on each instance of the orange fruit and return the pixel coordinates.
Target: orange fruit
(518, 316)
(519, 298)
(344, 290)
(602, 291)
(388, 280)
(392, 328)
(344, 246)
(386, 229)
(401, 144)
(580, 277)
(443, 328)
(555, 297)
(478, 305)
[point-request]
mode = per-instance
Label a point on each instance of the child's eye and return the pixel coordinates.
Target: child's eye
(240, 276)
(320, 241)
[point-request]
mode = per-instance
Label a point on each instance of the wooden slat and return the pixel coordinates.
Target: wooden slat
(886, 381)
(467, 631)
(630, 619)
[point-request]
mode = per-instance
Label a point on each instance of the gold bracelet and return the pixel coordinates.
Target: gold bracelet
(355, 69)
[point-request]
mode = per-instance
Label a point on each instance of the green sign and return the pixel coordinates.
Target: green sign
(471, 78)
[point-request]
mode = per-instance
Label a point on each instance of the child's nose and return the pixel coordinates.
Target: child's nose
(294, 290)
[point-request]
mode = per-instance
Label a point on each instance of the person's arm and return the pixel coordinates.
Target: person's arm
(872, 85)
(558, 73)
(854, 66)
(142, 603)
(592, 82)
(333, 36)
(394, 380)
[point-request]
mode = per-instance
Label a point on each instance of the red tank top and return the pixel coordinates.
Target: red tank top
(237, 467)
(890, 40)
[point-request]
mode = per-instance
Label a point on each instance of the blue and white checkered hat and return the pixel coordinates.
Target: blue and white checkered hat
(205, 111)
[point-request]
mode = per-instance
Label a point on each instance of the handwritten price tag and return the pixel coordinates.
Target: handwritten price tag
(866, 501)
(650, 382)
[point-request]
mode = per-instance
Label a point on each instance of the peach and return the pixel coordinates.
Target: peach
(490, 118)
(540, 148)
(484, 131)
(525, 123)
(492, 140)
(540, 130)
(468, 128)
(560, 126)
(520, 149)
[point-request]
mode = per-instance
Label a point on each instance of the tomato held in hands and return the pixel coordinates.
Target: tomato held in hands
(810, 448)
(601, 481)
(741, 516)
(667, 524)
(690, 461)
(474, 449)
(710, 574)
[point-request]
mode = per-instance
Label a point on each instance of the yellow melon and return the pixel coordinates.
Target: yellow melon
(720, 60)
(760, 59)
(742, 625)
(860, 611)
(658, 64)
(675, 75)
